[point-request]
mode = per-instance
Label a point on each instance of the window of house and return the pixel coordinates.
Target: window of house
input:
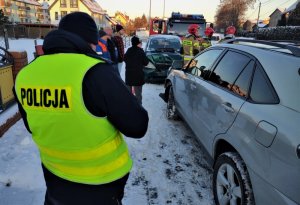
(73, 4)
(63, 13)
(63, 3)
(56, 15)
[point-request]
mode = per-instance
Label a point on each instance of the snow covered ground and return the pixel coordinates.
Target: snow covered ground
(169, 165)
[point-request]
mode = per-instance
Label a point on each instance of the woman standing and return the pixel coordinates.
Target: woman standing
(135, 60)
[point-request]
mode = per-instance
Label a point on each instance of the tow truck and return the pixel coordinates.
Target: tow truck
(177, 24)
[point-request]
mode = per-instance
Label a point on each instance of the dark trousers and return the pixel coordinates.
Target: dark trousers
(63, 192)
(137, 91)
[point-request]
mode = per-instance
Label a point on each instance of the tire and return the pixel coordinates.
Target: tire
(235, 189)
(171, 112)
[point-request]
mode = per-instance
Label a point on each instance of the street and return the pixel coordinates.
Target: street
(169, 165)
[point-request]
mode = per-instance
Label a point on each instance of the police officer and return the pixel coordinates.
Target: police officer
(76, 108)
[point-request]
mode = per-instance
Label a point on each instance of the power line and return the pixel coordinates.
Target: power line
(252, 13)
(275, 8)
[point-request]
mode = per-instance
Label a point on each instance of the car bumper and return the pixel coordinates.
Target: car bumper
(155, 75)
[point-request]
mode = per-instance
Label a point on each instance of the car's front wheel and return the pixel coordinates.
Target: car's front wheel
(171, 108)
(231, 181)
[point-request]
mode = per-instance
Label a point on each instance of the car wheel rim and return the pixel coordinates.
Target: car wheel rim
(171, 106)
(228, 186)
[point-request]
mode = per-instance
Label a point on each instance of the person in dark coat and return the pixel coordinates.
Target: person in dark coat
(112, 49)
(135, 60)
(99, 96)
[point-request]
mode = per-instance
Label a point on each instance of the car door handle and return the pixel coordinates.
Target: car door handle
(228, 107)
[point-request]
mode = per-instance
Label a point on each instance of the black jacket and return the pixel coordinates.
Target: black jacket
(104, 92)
(112, 49)
(135, 60)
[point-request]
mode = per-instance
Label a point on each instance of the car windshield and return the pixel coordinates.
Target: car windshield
(181, 29)
(215, 38)
(164, 44)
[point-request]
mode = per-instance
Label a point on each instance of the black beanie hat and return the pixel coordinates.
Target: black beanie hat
(135, 41)
(119, 27)
(102, 33)
(82, 24)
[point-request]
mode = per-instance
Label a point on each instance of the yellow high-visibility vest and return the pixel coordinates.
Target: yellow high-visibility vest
(74, 144)
(189, 44)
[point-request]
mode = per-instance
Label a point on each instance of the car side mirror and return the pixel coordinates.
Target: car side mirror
(202, 68)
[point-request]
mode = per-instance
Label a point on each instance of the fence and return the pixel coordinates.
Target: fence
(27, 30)
(3, 39)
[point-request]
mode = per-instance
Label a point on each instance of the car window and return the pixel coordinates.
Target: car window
(200, 65)
(241, 85)
(261, 90)
(157, 44)
(215, 38)
(228, 69)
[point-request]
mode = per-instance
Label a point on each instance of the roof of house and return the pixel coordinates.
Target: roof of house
(122, 15)
(292, 7)
(32, 2)
(281, 10)
(111, 20)
(93, 6)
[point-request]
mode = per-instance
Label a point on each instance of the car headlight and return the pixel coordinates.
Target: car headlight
(150, 66)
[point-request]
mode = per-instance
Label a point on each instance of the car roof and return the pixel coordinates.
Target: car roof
(282, 67)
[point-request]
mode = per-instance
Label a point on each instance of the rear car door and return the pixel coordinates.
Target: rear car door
(221, 95)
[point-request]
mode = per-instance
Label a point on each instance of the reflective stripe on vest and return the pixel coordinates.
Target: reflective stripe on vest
(187, 43)
(73, 144)
(187, 58)
(103, 46)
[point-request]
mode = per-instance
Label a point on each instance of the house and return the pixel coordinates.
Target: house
(247, 26)
(111, 20)
(60, 8)
(275, 17)
(121, 18)
(23, 11)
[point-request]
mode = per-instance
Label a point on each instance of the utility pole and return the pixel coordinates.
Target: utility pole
(150, 15)
(164, 9)
(258, 14)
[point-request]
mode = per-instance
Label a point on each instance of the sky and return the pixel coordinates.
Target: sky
(135, 8)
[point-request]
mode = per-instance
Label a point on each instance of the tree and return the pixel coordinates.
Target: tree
(138, 22)
(3, 18)
(294, 17)
(231, 12)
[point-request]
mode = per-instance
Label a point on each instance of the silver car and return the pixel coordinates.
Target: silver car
(242, 101)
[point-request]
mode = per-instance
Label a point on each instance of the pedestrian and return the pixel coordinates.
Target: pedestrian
(101, 47)
(112, 49)
(135, 59)
(118, 40)
(67, 98)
